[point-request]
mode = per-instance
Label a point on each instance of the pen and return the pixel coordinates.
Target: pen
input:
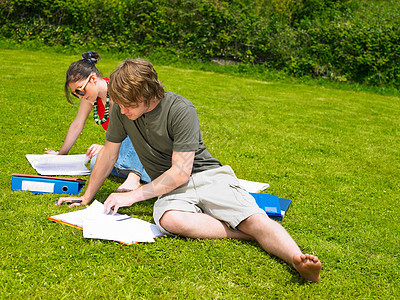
(127, 218)
(73, 201)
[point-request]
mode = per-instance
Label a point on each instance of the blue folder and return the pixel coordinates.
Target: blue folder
(44, 184)
(274, 206)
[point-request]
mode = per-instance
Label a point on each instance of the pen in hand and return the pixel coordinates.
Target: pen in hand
(73, 201)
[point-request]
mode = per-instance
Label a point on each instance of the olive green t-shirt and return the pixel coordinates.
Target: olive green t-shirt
(172, 125)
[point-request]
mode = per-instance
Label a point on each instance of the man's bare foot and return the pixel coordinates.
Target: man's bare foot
(131, 183)
(308, 266)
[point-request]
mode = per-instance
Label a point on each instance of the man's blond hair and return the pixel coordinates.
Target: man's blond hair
(133, 81)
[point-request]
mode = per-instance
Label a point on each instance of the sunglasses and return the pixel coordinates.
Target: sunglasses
(79, 92)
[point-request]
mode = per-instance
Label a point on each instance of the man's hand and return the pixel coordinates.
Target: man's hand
(117, 200)
(73, 201)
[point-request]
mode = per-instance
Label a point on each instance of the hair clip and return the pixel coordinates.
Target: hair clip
(88, 57)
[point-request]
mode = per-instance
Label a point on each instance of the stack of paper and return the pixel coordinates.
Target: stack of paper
(253, 186)
(47, 164)
(97, 225)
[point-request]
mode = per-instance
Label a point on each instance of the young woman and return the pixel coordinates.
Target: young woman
(86, 83)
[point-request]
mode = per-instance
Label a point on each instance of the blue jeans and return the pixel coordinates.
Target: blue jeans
(128, 161)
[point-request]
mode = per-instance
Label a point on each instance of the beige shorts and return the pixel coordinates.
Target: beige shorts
(215, 192)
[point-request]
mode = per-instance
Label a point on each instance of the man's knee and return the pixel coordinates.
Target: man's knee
(255, 221)
(172, 221)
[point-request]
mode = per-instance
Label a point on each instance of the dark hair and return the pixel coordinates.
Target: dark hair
(80, 70)
(133, 81)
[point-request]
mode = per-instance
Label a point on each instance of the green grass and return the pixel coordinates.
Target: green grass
(335, 153)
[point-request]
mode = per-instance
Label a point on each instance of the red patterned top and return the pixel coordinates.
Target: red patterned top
(101, 109)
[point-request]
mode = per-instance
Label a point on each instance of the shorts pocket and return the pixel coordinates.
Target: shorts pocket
(242, 196)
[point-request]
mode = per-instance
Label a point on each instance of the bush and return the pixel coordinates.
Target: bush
(341, 40)
(361, 47)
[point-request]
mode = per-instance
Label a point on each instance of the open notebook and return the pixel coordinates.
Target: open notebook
(70, 165)
(97, 225)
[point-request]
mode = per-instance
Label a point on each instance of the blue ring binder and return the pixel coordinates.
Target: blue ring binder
(46, 185)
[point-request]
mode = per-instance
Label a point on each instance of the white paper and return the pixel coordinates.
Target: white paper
(119, 227)
(253, 186)
(71, 165)
(126, 230)
(79, 216)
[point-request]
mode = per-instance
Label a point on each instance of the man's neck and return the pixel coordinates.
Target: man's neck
(153, 105)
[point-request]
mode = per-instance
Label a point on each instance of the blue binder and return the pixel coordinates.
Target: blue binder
(44, 184)
(274, 206)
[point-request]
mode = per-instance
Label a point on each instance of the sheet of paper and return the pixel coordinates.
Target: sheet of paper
(253, 186)
(119, 227)
(77, 217)
(126, 230)
(71, 165)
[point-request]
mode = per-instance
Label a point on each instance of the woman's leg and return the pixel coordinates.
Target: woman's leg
(128, 166)
(129, 160)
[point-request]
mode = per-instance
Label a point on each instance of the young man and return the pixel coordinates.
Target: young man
(197, 196)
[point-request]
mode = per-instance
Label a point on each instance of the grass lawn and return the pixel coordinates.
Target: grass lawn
(335, 153)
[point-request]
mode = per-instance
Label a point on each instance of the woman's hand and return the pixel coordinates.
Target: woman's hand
(51, 152)
(93, 150)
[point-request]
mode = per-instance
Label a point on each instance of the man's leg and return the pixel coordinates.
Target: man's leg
(275, 240)
(272, 237)
(198, 226)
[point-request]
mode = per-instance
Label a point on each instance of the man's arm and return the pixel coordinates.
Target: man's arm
(178, 174)
(102, 168)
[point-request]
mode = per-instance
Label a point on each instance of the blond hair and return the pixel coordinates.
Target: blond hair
(133, 81)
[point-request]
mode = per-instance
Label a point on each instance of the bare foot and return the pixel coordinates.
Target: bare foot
(308, 266)
(131, 183)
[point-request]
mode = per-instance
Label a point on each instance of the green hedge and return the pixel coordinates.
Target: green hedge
(362, 45)
(341, 40)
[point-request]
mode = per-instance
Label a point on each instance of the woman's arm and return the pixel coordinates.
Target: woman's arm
(103, 167)
(75, 128)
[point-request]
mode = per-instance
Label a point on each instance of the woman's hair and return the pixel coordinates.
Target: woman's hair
(80, 70)
(133, 81)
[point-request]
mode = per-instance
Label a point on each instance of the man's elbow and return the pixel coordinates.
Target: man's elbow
(182, 178)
